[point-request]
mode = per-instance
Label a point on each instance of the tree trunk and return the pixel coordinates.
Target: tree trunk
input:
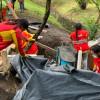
(47, 13)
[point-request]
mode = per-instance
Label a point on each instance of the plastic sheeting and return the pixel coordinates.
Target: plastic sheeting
(25, 66)
(57, 84)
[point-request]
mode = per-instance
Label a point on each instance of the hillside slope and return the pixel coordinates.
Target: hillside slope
(37, 11)
(69, 9)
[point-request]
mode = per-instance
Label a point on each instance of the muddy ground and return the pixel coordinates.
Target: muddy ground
(52, 38)
(8, 87)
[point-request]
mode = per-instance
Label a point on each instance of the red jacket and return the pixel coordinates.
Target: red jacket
(97, 64)
(82, 35)
(34, 48)
(11, 34)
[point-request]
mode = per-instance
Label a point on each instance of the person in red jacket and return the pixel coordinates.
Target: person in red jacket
(80, 41)
(96, 53)
(34, 48)
(12, 33)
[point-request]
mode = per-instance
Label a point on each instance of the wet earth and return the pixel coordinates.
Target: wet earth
(8, 87)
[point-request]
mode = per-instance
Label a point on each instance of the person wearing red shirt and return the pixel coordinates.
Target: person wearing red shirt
(80, 41)
(12, 33)
(96, 53)
(34, 48)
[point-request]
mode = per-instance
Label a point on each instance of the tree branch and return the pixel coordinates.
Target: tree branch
(47, 13)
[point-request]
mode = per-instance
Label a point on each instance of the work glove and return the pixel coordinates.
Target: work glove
(40, 37)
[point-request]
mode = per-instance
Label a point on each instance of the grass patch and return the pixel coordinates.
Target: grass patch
(65, 8)
(69, 9)
(38, 10)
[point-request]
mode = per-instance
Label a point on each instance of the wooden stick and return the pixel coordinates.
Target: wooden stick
(12, 10)
(11, 56)
(45, 47)
(93, 43)
(79, 60)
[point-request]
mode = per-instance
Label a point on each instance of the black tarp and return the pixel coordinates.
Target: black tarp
(53, 85)
(25, 66)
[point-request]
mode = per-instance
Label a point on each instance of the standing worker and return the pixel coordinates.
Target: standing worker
(13, 2)
(4, 6)
(80, 41)
(21, 4)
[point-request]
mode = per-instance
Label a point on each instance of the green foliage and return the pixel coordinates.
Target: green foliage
(54, 2)
(91, 26)
(79, 1)
(59, 2)
(88, 1)
(96, 2)
(82, 4)
(38, 11)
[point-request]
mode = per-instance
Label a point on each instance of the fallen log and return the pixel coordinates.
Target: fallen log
(93, 43)
(45, 47)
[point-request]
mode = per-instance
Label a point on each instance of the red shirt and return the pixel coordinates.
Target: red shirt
(11, 34)
(97, 64)
(82, 34)
(34, 48)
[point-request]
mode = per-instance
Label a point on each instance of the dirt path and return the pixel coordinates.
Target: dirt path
(7, 88)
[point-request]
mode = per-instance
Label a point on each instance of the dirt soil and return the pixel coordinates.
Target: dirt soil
(8, 87)
(51, 38)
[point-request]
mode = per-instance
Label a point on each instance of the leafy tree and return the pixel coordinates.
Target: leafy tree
(91, 26)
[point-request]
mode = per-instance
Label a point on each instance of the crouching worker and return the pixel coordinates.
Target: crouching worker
(12, 33)
(96, 58)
